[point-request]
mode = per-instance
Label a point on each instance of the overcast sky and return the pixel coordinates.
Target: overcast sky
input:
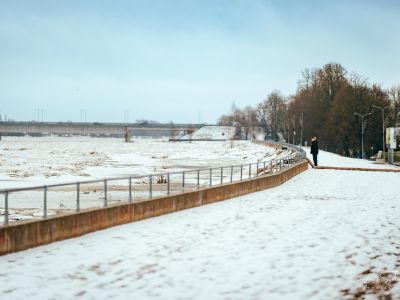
(179, 60)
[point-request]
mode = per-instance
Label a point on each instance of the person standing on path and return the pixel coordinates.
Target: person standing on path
(314, 150)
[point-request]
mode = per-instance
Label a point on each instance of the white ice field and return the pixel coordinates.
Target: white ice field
(30, 161)
(323, 235)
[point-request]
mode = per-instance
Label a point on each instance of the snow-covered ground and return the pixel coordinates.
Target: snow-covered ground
(26, 161)
(323, 235)
(334, 160)
(29, 161)
(212, 133)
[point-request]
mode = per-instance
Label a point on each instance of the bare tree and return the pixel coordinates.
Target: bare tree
(263, 118)
(328, 96)
(248, 120)
(301, 123)
(225, 120)
(271, 114)
(394, 98)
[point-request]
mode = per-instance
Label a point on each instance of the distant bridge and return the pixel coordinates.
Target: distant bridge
(93, 129)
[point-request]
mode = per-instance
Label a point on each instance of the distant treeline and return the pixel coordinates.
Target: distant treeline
(324, 105)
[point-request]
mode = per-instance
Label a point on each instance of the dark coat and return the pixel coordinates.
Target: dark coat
(314, 147)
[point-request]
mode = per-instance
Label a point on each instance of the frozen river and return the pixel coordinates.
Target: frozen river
(29, 161)
(26, 161)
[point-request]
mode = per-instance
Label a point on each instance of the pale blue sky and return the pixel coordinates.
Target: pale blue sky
(171, 60)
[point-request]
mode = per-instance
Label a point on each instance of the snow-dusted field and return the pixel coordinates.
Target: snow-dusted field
(29, 161)
(318, 236)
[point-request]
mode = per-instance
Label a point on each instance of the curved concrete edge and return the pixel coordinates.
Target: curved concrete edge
(311, 163)
(355, 169)
(26, 234)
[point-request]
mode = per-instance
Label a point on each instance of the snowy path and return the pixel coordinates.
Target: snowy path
(334, 160)
(307, 239)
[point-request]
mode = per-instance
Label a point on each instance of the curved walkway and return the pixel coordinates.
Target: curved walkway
(350, 168)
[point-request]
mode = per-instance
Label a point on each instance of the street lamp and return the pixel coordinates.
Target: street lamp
(363, 126)
(383, 127)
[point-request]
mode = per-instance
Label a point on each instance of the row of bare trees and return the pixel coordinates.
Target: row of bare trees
(269, 116)
(323, 105)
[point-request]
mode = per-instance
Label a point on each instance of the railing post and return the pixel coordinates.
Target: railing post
(45, 202)
(270, 166)
(150, 186)
(78, 205)
(231, 174)
(198, 179)
(264, 168)
(105, 192)
(183, 180)
(130, 189)
(257, 170)
(6, 208)
(241, 172)
(168, 185)
(222, 173)
(249, 170)
(210, 176)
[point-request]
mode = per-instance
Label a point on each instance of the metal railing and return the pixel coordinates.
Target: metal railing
(181, 181)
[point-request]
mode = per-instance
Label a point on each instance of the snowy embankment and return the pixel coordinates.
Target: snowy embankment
(318, 236)
(212, 133)
(334, 160)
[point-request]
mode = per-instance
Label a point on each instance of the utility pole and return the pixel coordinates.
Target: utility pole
(83, 115)
(363, 126)
(126, 116)
(383, 127)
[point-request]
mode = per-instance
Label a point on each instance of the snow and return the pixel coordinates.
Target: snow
(30, 161)
(212, 133)
(310, 238)
(334, 160)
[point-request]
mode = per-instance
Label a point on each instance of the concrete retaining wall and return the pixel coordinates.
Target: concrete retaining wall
(30, 233)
